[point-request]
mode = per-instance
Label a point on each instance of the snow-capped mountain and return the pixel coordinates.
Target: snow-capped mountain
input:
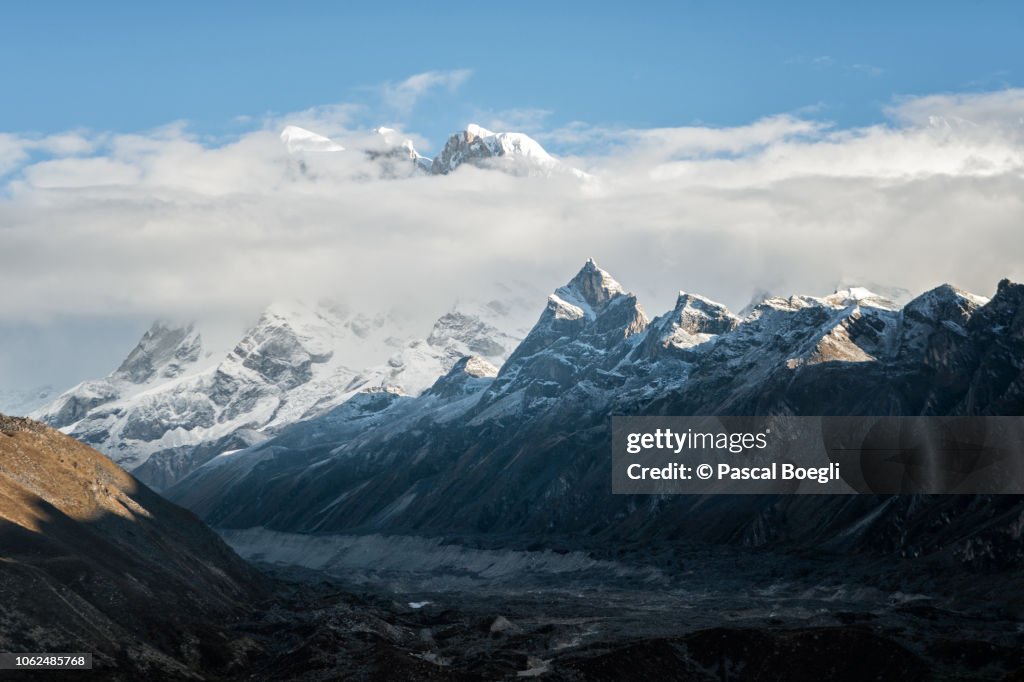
(166, 351)
(514, 153)
(172, 405)
(299, 140)
(527, 450)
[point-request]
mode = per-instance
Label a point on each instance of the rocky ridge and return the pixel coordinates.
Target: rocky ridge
(525, 453)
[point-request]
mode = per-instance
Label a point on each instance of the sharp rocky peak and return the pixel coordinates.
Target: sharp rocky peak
(590, 316)
(696, 314)
(695, 320)
(944, 301)
(165, 349)
(592, 287)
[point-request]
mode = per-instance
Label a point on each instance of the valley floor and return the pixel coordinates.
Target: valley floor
(411, 608)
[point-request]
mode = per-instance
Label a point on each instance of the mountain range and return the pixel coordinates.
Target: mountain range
(486, 487)
(524, 451)
(396, 156)
(176, 401)
(479, 426)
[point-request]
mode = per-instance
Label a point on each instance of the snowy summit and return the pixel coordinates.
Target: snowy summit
(298, 139)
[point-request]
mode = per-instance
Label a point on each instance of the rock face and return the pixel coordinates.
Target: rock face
(526, 453)
(92, 560)
(172, 404)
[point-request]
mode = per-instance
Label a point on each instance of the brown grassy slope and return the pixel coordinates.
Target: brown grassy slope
(91, 560)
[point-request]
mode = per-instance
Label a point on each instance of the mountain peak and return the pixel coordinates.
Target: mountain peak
(516, 153)
(165, 349)
(944, 302)
(474, 131)
(591, 285)
(697, 314)
(862, 296)
(298, 139)
(693, 321)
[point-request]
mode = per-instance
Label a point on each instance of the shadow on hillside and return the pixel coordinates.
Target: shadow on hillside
(148, 590)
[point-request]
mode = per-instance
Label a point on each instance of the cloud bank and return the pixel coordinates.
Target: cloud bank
(166, 223)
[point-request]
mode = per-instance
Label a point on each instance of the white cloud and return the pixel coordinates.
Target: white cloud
(992, 114)
(328, 120)
(15, 150)
(12, 152)
(137, 226)
(690, 141)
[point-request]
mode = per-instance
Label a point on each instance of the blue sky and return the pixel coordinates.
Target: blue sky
(133, 66)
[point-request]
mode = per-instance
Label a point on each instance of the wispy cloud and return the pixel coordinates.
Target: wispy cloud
(524, 120)
(16, 150)
(329, 119)
(868, 69)
(993, 114)
(402, 97)
(665, 144)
